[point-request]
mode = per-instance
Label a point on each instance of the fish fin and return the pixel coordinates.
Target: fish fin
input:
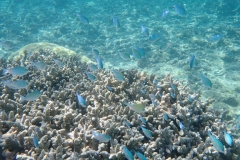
(6, 82)
(21, 99)
(135, 152)
(225, 150)
(209, 133)
(93, 133)
(111, 142)
(29, 65)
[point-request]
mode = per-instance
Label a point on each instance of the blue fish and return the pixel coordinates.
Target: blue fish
(57, 62)
(146, 132)
(216, 143)
(144, 81)
(140, 156)
(179, 9)
(164, 13)
(124, 55)
(81, 100)
(30, 96)
(99, 63)
(228, 138)
(191, 98)
(145, 31)
(165, 116)
(137, 107)
(92, 67)
(206, 82)
(192, 61)
(17, 71)
(172, 93)
(110, 88)
(118, 75)
(181, 125)
(18, 84)
(140, 50)
(101, 137)
(153, 37)
(95, 52)
(127, 153)
(136, 54)
(116, 22)
(83, 18)
(90, 76)
(143, 91)
(143, 119)
(35, 140)
(154, 103)
(160, 95)
(173, 86)
(40, 65)
(128, 124)
(155, 81)
(216, 38)
(152, 96)
(8, 45)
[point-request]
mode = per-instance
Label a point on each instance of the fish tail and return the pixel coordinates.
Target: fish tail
(4, 71)
(21, 99)
(209, 134)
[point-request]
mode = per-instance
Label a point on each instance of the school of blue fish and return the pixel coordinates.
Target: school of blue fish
(137, 53)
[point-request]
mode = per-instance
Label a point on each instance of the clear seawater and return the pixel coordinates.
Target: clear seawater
(26, 21)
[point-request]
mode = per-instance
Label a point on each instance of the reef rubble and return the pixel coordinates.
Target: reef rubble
(64, 128)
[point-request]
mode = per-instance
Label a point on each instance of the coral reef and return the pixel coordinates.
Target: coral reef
(179, 36)
(64, 128)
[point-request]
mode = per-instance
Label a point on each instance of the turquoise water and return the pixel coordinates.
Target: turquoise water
(25, 22)
(208, 29)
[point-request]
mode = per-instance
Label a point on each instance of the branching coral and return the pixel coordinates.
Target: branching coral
(63, 127)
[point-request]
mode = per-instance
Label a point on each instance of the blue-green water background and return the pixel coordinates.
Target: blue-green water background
(25, 21)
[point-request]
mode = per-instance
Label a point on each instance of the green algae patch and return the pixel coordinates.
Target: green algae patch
(58, 50)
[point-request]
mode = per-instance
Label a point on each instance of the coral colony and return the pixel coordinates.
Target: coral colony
(59, 107)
